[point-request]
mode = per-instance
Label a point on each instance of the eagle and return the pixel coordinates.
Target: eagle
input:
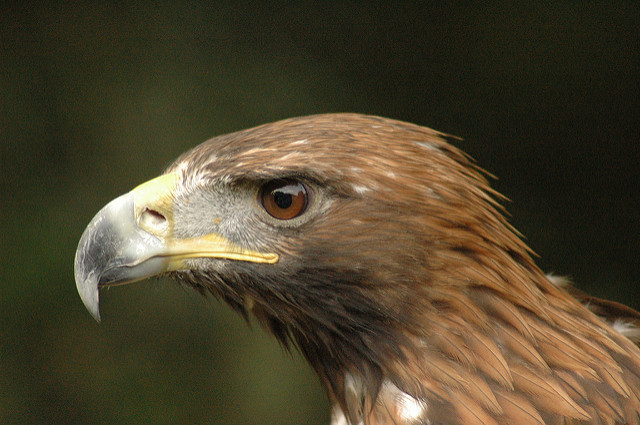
(379, 251)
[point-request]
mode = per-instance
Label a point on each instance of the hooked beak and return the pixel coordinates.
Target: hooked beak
(132, 238)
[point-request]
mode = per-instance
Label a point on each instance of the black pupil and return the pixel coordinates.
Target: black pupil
(282, 199)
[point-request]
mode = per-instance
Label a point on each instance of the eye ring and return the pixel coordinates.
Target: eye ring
(284, 199)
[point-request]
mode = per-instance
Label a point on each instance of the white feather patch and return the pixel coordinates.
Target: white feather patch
(559, 281)
(338, 417)
(627, 329)
(359, 189)
(409, 408)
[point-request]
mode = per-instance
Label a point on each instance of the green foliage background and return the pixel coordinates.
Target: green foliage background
(96, 98)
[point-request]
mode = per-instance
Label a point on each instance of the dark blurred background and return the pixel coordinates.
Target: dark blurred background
(96, 98)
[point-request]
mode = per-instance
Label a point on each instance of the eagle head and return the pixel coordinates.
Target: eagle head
(378, 250)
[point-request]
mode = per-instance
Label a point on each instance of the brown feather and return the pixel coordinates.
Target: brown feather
(547, 393)
(518, 410)
(522, 348)
(490, 359)
(469, 412)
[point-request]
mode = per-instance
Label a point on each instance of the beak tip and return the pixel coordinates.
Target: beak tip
(90, 296)
(87, 286)
(94, 310)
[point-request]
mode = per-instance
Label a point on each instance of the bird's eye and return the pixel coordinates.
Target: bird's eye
(284, 199)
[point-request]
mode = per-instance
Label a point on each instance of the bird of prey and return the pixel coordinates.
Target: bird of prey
(380, 252)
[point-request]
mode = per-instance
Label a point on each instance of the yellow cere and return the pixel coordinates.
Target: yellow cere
(156, 195)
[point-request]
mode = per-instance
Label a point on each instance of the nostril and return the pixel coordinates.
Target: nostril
(152, 218)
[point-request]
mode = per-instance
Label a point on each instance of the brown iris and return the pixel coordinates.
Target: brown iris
(284, 199)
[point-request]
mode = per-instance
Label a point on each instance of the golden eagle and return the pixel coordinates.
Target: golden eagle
(379, 251)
